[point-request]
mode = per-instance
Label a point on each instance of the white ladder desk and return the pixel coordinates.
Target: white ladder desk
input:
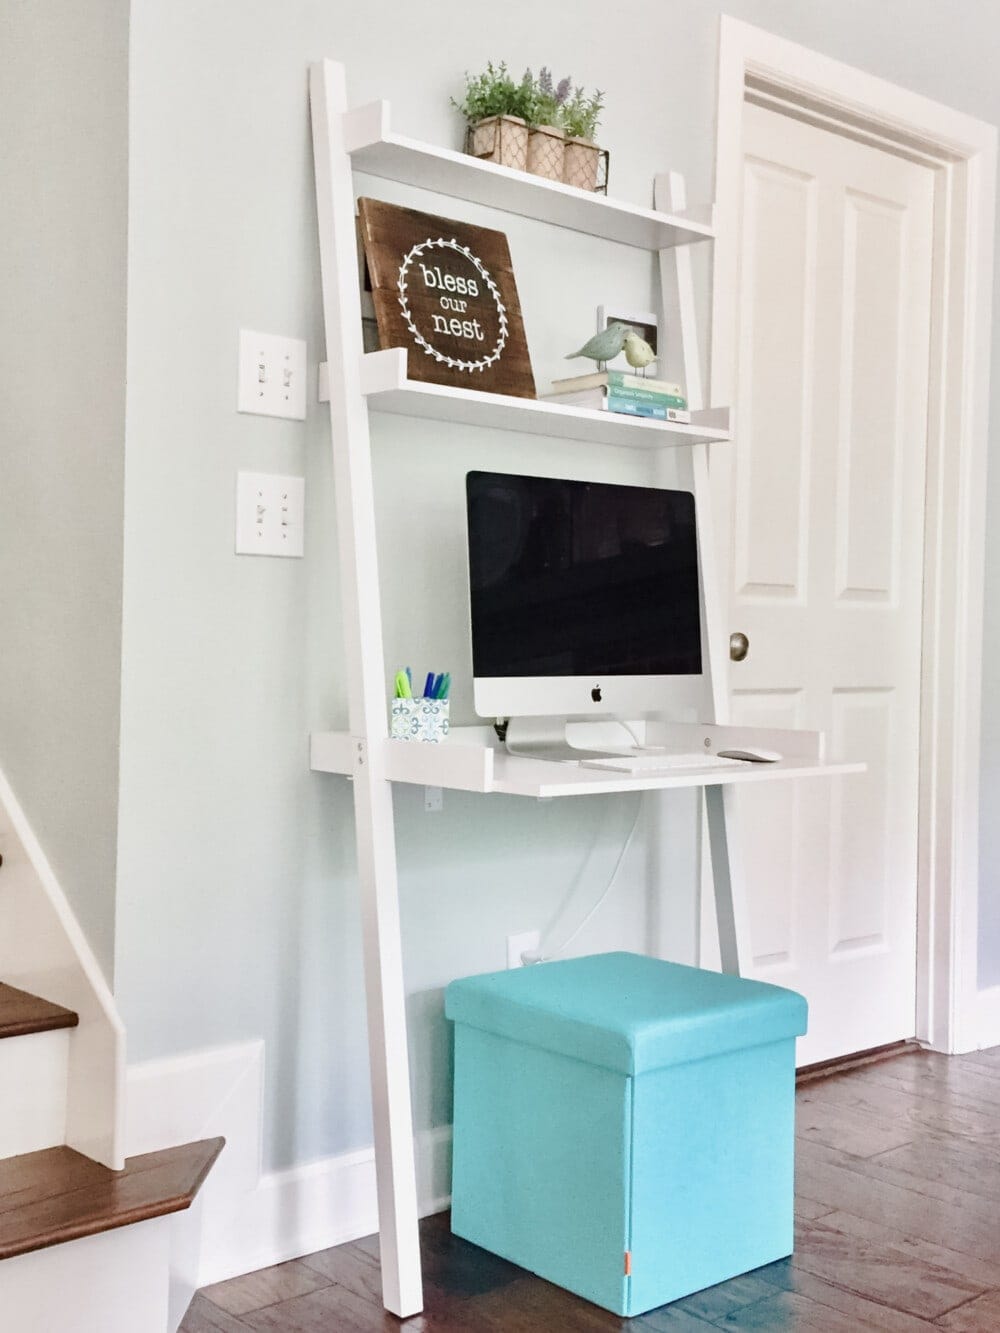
(356, 383)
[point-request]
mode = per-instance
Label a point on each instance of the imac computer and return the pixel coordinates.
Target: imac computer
(584, 604)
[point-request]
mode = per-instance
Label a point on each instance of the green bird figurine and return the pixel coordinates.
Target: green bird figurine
(638, 352)
(604, 346)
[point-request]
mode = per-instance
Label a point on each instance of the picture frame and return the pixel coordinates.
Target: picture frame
(445, 291)
(645, 322)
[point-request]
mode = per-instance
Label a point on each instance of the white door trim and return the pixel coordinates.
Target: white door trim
(952, 1014)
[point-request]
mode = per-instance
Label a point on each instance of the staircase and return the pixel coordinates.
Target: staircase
(89, 1241)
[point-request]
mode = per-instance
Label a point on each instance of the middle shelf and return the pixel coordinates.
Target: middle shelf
(385, 384)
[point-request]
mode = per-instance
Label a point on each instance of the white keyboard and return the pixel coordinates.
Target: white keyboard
(664, 762)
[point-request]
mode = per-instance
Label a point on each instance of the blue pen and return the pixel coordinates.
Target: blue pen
(409, 677)
(429, 686)
(436, 686)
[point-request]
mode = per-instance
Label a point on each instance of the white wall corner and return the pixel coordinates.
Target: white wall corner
(979, 1028)
(248, 1220)
(197, 1095)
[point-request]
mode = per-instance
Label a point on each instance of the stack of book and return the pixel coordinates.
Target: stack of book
(621, 391)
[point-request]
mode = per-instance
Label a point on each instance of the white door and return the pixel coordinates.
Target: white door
(824, 491)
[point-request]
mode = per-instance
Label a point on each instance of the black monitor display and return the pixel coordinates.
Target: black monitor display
(579, 578)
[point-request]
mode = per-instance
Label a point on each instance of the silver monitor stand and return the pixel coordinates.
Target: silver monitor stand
(545, 738)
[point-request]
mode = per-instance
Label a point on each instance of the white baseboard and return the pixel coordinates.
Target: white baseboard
(324, 1203)
(251, 1220)
(984, 1028)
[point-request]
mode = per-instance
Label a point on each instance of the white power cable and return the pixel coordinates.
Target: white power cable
(638, 743)
(531, 956)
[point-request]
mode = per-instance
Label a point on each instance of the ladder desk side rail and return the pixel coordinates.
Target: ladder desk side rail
(722, 861)
(385, 995)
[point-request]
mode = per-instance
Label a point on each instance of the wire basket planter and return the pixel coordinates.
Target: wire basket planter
(506, 139)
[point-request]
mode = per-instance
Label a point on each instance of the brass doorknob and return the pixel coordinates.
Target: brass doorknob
(739, 646)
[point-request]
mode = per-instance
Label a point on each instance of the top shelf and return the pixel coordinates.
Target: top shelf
(376, 150)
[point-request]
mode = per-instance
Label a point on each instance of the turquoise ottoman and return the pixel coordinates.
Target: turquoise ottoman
(624, 1127)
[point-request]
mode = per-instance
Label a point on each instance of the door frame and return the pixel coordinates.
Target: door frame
(953, 1014)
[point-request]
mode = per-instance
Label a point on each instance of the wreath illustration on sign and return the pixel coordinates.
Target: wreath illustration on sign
(454, 363)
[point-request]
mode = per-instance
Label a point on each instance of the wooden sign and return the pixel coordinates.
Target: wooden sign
(445, 291)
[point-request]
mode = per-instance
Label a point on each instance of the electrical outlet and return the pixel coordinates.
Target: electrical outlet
(433, 800)
(269, 514)
(272, 375)
(519, 944)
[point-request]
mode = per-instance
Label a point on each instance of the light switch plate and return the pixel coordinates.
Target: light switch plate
(272, 375)
(270, 513)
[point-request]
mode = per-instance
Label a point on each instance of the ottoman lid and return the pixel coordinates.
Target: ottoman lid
(625, 1011)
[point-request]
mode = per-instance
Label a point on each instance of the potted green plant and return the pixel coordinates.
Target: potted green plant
(546, 136)
(497, 111)
(580, 117)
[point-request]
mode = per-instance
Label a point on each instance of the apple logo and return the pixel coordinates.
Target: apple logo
(595, 694)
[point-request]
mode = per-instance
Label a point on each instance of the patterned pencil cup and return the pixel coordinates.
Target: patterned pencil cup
(419, 720)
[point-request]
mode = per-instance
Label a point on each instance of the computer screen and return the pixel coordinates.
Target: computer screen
(584, 595)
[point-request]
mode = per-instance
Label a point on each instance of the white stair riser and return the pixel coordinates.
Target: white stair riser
(33, 1079)
(112, 1283)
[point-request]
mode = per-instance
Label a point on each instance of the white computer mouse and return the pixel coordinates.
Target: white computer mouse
(757, 756)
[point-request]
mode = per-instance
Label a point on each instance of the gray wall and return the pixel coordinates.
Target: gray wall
(237, 901)
(63, 210)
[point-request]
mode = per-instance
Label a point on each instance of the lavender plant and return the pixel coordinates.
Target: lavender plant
(548, 97)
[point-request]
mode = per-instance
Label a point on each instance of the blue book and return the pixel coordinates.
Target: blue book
(633, 408)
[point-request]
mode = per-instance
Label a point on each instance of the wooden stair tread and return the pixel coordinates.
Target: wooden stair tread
(22, 1013)
(57, 1194)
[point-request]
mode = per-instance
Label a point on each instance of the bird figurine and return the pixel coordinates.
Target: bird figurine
(638, 352)
(604, 346)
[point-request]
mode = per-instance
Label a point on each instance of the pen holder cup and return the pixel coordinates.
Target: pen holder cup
(419, 720)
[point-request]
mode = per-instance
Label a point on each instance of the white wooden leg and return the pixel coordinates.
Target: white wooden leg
(727, 874)
(399, 1240)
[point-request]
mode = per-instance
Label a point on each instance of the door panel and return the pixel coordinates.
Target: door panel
(778, 264)
(868, 482)
(860, 837)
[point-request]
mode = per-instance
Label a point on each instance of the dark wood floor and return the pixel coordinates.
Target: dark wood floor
(898, 1228)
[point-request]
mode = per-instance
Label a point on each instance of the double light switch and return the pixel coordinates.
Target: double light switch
(270, 513)
(272, 375)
